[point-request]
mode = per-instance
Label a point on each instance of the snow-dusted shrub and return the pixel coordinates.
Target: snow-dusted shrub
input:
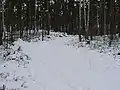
(13, 62)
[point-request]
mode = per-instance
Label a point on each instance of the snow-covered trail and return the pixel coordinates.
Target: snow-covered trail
(56, 66)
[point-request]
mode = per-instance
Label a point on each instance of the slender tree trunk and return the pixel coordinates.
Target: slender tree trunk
(112, 23)
(3, 23)
(48, 16)
(35, 20)
(88, 19)
(11, 32)
(1, 34)
(98, 25)
(86, 37)
(42, 35)
(104, 18)
(20, 18)
(79, 26)
(101, 17)
(119, 28)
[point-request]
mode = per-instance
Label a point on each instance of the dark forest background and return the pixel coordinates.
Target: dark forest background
(86, 17)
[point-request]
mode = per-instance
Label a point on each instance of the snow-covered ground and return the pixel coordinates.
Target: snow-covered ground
(56, 65)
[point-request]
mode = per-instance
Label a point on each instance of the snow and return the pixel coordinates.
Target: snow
(55, 65)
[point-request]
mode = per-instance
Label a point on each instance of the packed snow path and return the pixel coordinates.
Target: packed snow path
(56, 66)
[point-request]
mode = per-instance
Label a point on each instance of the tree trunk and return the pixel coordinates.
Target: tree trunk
(3, 23)
(85, 20)
(48, 16)
(98, 24)
(35, 18)
(104, 18)
(88, 18)
(79, 25)
(101, 18)
(112, 23)
(1, 34)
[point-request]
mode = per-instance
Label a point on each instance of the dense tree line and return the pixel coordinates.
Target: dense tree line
(86, 17)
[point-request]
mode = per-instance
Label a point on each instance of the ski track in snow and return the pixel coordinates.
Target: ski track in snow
(56, 66)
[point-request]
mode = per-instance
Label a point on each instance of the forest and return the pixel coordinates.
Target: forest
(59, 44)
(89, 18)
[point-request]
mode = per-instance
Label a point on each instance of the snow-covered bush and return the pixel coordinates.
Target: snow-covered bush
(13, 61)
